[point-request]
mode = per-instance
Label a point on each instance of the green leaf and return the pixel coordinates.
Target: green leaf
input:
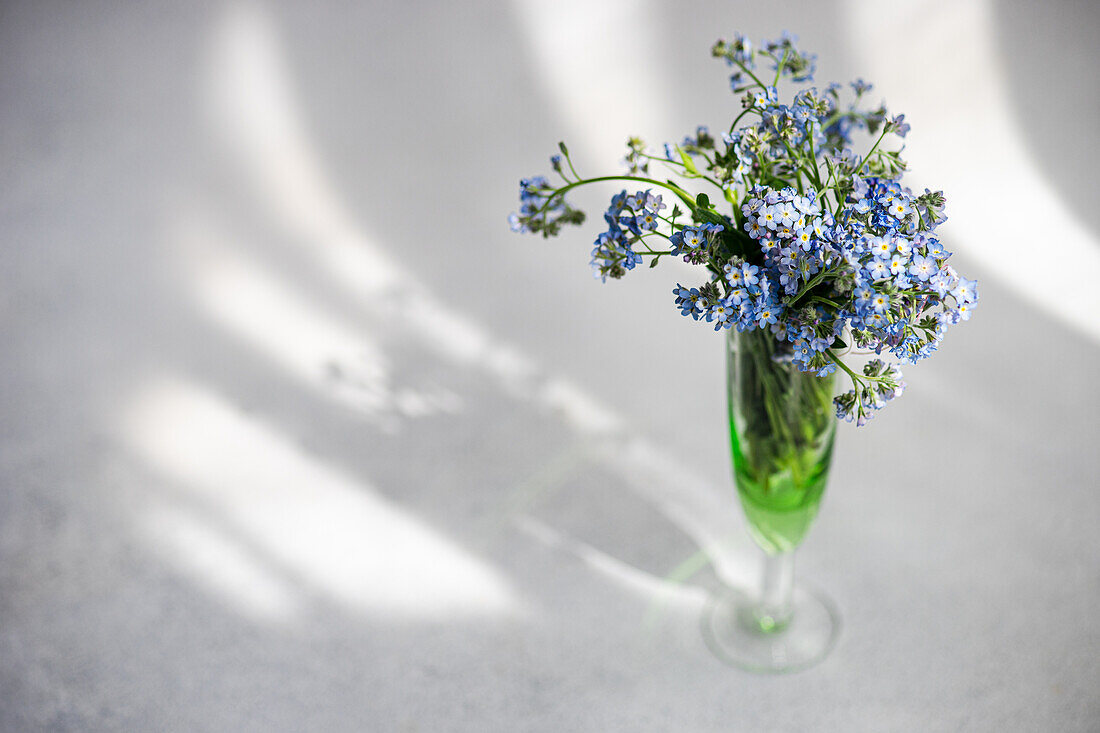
(702, 201)
(838, 343)
(689, 164)
(730, 194)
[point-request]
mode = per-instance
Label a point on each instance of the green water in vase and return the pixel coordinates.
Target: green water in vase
(782, 425)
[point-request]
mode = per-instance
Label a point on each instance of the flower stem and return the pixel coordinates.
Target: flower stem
(681, 193)
(737, 119)
(874, 147)
(754, 76)
(779, 68)
(817, 278)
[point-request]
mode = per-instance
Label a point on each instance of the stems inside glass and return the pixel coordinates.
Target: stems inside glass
(781, 435)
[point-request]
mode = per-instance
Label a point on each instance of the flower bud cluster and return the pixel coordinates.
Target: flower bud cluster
(542, 209)
(882, 383)
(628, 219)
(781, 56)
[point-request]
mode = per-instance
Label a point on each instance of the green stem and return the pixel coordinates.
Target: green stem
(763, 361)
(570, 162)
(779, 68)
(798, 168)
(737, 119)
(817, 171)
(687, 173)
(802, 168)
(856, 379)
(662, 159)
(826, 301)
(708, 179)
(874, 147)
(754, 76)
(830, 186)
(817, 278)
(681, 193)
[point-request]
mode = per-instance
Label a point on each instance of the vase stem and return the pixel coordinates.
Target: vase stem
(773, 612)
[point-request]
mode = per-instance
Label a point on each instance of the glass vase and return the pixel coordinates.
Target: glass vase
(782, 426)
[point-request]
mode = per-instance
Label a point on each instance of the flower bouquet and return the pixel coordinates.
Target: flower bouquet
(812, 254)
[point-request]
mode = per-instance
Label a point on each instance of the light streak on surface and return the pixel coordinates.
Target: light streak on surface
(220, 563)
(259, 122)
(304, 339)
(329, 530)
(597, 79)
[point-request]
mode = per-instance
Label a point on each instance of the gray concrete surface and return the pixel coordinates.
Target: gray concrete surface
(297, 436)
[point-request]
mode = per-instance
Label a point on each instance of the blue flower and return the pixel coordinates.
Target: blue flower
(900, 208)
(646, 220)
(966, 291)
(898, 265)
(764, 99)
(768, 218)
(898, 125)
(882, 247)
(786, 213)
(750, 274)
(878, 270)
(935, 249)
(653, 202)
(767, 315)
(964, 309)
(688, 239)
(720, 313)
(693, 238)
(517, 225)
(687, 299)
(923, 268)
(942, 282)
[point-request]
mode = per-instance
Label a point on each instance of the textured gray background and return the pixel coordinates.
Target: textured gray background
(297, 436)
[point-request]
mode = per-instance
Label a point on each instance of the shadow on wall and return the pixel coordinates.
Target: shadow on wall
(1048, 51)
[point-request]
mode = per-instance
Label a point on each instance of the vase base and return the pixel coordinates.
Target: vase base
(733, 631)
